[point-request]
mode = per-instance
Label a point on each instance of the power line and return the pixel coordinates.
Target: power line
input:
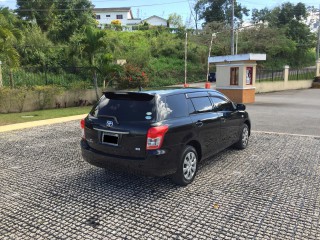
(82, 9)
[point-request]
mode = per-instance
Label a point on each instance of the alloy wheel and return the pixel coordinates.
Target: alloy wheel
(245, 136)
(189, 165)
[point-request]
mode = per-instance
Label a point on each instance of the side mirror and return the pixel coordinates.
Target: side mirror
(241, 107)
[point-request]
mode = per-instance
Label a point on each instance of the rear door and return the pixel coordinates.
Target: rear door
(230, 120)
(173, 111)
(207, 124)
(118, 125)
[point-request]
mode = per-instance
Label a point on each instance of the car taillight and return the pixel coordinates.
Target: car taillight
(155, 137)
(82, 125)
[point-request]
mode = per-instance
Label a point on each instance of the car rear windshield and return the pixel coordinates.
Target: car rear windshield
(126, 107)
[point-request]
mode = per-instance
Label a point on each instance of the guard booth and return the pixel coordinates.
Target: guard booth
(236, 75)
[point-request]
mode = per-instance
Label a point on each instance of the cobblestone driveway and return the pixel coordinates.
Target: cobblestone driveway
(268, 191)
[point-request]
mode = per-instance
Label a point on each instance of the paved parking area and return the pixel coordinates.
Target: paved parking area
(270, 190)
(294, 112)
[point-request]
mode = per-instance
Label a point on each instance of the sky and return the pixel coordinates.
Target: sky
(163, 8)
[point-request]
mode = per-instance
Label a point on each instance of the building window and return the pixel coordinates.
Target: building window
(107, 16)
(249, 71)
(120, 16)
(97, 16)
(234, 76)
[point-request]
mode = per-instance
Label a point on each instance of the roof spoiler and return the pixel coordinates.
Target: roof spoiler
(138, 96)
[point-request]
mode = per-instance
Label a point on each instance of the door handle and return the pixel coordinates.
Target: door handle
(199, 124)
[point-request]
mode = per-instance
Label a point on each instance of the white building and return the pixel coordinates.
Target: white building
(156, 21)
(124, 15)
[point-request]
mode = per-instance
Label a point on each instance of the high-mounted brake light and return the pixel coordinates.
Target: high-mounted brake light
(155, 137)
(82, 125)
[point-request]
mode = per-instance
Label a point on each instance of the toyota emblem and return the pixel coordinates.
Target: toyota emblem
(109, 124)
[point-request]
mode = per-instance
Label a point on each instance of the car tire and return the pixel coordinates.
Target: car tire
(187, 168)
(244, 137)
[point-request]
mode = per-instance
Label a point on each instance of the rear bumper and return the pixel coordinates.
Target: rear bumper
(156, 163)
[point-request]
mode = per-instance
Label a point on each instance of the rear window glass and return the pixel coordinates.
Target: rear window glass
(202, 104)
(178, 106)
(126, 109)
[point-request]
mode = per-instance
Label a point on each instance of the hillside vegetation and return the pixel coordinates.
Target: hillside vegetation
(51, 42)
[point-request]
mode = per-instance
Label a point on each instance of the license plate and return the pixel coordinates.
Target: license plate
(110, 138)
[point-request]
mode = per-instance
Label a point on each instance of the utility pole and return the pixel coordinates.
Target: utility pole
(237, 39)
(232, 29)
(209, 55)
(185, 61)
(318, 41)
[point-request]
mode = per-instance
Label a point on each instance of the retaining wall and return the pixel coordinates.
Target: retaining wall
(263, 87)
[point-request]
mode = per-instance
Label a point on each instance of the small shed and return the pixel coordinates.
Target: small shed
(236, 75)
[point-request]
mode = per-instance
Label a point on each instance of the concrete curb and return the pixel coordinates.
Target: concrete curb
(19, 126)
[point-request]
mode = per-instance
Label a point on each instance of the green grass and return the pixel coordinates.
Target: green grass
(11, 118)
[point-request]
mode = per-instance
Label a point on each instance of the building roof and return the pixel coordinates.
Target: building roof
(120, 9)
(154, 16)
(239, 57)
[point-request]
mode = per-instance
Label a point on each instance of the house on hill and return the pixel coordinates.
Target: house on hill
(105, 16)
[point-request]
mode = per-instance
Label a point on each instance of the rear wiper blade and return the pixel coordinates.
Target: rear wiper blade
(107, 116)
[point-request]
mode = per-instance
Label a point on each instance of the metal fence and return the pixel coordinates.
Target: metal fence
(60, 76)
(269, 75)
(301, 74)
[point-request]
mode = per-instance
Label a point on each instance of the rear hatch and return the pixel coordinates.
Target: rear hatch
(119, 123)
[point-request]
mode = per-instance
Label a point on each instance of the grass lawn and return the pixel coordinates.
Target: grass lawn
(11, 118)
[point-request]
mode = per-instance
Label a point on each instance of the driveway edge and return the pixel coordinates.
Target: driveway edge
(18, 126)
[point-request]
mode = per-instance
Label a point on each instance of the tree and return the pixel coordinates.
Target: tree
(220, 10)
(110, 71)
(91, 41)
(9, 36)
(280, 16)
(37, 49)
(272, 41)
(40, 11)
(58, 17)
(287, 19)
(175, 20)
(195, 12)
(69, 16)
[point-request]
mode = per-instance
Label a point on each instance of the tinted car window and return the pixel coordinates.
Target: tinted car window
(202, 104)
(190, 106)
(178, 106)
(125, 110)
(220, 104)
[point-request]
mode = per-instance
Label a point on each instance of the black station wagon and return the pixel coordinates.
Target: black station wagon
(162, 132)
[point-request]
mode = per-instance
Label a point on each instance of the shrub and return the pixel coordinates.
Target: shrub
(12, 97)
(132, 77)
(46, 95)
(5, 99)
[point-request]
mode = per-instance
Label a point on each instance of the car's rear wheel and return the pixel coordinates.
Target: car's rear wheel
(244, 137)
(187, 168)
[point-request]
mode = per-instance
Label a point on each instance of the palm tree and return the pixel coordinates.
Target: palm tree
(9, 35)
(91, 43)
